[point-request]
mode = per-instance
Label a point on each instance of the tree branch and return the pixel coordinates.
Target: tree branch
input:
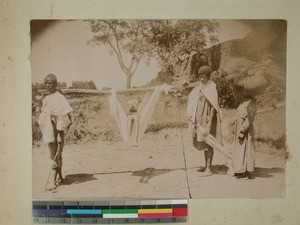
(136, 66)
(116, 49)
(117, 41)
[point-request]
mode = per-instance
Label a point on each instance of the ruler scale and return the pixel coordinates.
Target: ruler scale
(110, 212)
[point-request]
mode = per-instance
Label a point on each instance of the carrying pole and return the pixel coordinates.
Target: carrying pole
(210, 140)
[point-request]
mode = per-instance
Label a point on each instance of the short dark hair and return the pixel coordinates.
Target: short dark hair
(205, 70)
(51, 77)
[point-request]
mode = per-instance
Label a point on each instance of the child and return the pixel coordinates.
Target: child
(133, 118)
(244, 155)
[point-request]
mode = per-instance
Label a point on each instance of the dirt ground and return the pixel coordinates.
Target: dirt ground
(164, 165)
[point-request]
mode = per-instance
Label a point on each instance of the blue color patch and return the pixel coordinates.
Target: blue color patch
(84, 211)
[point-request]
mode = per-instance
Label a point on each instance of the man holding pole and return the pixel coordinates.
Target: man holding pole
(55, 117)
(204, 116)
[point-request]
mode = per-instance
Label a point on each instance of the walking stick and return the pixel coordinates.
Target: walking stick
(53, 161)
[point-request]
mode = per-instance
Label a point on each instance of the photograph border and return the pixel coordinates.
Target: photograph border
(16, 118)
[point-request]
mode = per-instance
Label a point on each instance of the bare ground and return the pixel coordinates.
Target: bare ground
(164, 165)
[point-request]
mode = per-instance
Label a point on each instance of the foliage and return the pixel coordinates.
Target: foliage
(34, 102)
(270, 133)
(215, 57)
(230, 95)
(84, 85)
(176, 40)
(91, 121)
(42, 86)
(239, 48)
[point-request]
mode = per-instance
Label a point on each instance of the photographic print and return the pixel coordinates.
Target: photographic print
(151, 109)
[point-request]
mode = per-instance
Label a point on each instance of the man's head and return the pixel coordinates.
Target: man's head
(204, 74)
(51, 82)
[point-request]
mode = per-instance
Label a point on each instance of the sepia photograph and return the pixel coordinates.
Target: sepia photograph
(152, 109)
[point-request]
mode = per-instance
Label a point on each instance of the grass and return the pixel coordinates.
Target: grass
(270, 130)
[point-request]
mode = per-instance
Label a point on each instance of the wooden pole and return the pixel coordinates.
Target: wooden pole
(210, 140)
(125, 91)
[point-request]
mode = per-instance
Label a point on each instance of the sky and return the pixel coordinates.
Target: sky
(62, 50)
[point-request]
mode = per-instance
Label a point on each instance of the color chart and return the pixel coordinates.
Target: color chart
(110, 212)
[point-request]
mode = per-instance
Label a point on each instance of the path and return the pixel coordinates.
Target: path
(155, 169)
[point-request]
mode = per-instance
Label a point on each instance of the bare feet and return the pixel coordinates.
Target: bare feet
(59, 181)
(230, 171)
(243, 176)
(52, 188)
(201, 169)
(55, 184)
(206, 173)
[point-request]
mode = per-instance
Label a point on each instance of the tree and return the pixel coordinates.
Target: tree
(84, 85)
(125, 38)
(170, 42)
(175, 42)
(92, 85)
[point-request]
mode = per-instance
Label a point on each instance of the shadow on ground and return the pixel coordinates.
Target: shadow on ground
(258, 171)
(216, 169)
(148, 173)
(78, 178)
(266, 172)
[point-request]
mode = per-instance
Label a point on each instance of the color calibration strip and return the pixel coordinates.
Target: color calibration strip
(109, 212)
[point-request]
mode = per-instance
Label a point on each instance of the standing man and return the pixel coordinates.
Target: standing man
(204, 115)
(55, 117)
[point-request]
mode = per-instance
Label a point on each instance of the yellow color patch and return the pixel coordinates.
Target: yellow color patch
(142, 211)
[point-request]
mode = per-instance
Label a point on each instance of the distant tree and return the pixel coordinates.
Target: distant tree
(86, 85)
(75, 84)
(42, 86)
(62, 84)
(39, 86)
(125, 38)
(92, 85)
(83, 85)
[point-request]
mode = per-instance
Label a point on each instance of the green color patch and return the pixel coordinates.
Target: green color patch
(120, 211)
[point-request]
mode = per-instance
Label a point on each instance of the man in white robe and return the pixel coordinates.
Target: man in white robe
(55, 117)
(204, 112)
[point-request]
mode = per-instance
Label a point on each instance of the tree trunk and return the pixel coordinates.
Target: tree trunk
(128, 81)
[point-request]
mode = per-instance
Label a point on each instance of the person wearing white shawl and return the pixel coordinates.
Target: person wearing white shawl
(204, 112)
(56, 116)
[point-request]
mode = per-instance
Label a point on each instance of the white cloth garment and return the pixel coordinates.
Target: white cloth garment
(55, 107)
(139, 120)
